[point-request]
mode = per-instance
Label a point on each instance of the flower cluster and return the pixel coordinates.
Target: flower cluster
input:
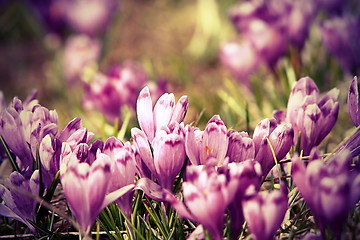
(225, 170)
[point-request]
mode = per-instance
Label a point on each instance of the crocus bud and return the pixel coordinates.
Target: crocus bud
(330, 189)
(311, 118)
(353, 102)
(268, 136)
(265, 211)
(165, 111)
(241, 146)
(124, 170)
(210, 144)
(17, 205)
(169, 153)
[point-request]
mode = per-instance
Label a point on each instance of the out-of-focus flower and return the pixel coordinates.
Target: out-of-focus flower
(165, 111)
(279, 136)
(168, 152)
(265, 211)
(208, 147)
(240, 59)
(79, 52)
(91, 170)
(354, 103)
(124, 170)
(241, 147)
(330, 189)
(119, 87)
(17, 205)
(309, 115)
(89, 16)
(248, 173)
(342, 35)
(332, 6)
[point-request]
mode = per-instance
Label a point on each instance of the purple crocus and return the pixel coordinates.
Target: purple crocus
(208, 147)
(165, 111)
(309, 115)
(330, 189)
(241, 147)
(124, 170)
(79, 51)
(268, 136)
(264, 211)
(353, 102)
(119, 87)
(17, 205)
(168, 152)
(342, 35)
(91, 172)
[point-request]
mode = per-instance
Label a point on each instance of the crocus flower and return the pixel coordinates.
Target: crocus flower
(241, 147)
(340, 35)
(240, 59)
(110, 92)
(124, 170)
(87, 198)
(89, 16)
(248, 173)
(23, 125)
(269, 135)
(330, 189)
(309, 115)
(168, 152)
(165, 111)
(17, 205)
(264, 211)
(210, 144)
(79, 52)
(353, 102)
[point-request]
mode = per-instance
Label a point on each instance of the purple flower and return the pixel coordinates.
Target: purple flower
(248, 173)
(87, 198)
(265, 211)
(206, 196)
(124, 170)
(168, 152)
(241, 147)
(279, 136)
(17, 205)
(79, 52)
(240, 59)
(23, 126)
(342, 35)
(353, 102)
(119, 87)
(330, 189)
(209, 146)
(165, 111)
(309, 115)
(89, 16)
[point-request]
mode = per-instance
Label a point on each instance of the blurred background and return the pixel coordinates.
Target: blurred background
(239, 59)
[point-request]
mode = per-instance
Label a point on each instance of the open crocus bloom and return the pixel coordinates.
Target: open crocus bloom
(353, 102)
(165, 111)
(207, 147)
(330, 189)
(87, 198)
